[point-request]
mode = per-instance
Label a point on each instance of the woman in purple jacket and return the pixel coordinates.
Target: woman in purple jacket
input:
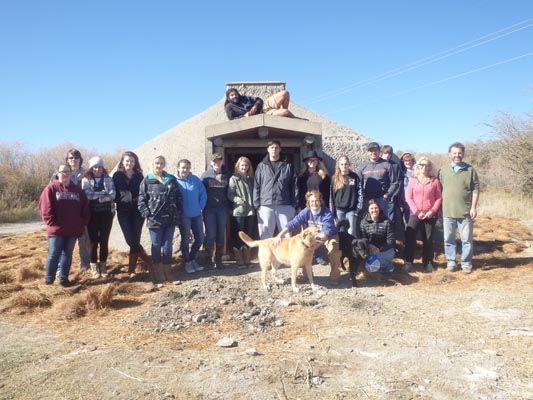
(315, 214)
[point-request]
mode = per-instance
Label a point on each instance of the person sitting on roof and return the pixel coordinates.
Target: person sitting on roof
(239, 106)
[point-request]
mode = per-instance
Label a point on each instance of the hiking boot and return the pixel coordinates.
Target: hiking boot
(408, 267)
(189, 267)
(429, 267)
(451, 266)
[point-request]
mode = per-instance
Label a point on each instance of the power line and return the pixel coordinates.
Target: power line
(432, 83)
(425, 61)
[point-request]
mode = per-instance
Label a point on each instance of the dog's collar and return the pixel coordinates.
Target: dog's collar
(304, 244)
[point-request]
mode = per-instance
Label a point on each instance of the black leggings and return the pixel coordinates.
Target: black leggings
(426, 228)
(99, 229)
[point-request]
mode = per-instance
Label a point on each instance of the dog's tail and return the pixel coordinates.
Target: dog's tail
(248, 240)
(343, 225)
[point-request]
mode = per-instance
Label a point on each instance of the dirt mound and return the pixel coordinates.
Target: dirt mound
(219, 336)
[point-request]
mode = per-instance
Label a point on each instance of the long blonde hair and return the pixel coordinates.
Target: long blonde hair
(338, 177)
(250, 167)
(418, 169)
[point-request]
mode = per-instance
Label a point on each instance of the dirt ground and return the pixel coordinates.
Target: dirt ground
(219, 336)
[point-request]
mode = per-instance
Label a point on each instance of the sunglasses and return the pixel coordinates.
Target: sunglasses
(73, 158)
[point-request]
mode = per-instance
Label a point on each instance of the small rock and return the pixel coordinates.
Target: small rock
(317, 380)
(226, 342)
(199, 318)
(251, 352)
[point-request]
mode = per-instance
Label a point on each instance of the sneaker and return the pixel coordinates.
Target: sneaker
(218, 265)
(320, 261)
(467, 268)
(189, 267)
(408, 267)
(197, 267)
(451, 266)
(429, 267)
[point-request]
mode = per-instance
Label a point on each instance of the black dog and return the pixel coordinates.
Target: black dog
(355, 250)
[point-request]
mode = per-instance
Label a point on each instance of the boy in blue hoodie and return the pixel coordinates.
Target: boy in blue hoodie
(194, 197)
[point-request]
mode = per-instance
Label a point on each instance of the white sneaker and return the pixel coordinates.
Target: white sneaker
(197, 267)
(429, 267)
(408, 267)
(189, 267)
(451, 266)
(467, 268)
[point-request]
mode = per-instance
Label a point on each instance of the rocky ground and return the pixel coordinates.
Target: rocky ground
(219, 336)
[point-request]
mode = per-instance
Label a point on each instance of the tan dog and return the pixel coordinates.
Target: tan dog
(296, 252)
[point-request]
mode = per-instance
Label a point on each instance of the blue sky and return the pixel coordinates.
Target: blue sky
(108, 74)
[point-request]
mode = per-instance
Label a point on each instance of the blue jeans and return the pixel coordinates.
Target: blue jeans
(59, 247)
(465, 226)
(245, 224)
(197, 226)
(385, 260)
(351, 216)
(83, 247)
(215, 220)
(131, 224)
(162, 240)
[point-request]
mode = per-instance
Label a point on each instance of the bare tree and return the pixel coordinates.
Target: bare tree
(510, 151)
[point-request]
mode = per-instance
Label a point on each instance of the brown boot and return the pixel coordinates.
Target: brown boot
(145, 258)
(159, 274)
(238, 257)
(167, 272)
(132, 262)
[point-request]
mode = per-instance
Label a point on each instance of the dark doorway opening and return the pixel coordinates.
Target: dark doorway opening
(256, 155)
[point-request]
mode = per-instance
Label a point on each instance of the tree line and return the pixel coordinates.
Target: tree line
(502, 162)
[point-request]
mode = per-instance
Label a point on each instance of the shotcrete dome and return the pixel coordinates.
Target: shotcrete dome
(188, 140)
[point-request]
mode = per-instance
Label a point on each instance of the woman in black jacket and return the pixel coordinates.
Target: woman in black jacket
(160, 203)
(380, 234)
(313, 176)
(127, 179)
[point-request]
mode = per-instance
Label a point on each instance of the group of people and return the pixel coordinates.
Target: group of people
(383, 196)
(79, 205)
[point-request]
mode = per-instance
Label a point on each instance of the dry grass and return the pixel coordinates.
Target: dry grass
(100, 298)
(505, 204)
(92, 300)
(29, 272)
(6, 289)
(29, 299)
(6, 276)
(133, 289)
